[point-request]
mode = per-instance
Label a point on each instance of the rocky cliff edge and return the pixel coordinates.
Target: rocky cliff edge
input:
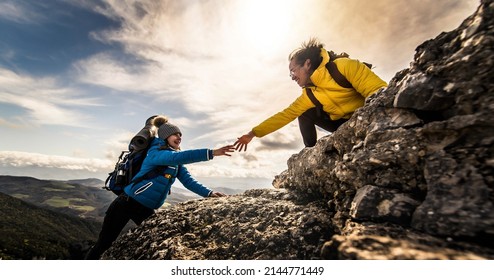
(409, 176)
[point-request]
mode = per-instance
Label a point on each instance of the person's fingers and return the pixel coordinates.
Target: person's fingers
(217, 194)
(224, 150)
(228, 149)
(240, 145)
(237, 144)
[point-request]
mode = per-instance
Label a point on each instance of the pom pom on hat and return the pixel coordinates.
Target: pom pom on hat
(159, 120)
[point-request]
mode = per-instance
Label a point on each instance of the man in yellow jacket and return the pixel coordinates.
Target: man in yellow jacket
(308, 69)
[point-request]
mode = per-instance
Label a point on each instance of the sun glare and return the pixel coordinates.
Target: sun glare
(264, 24)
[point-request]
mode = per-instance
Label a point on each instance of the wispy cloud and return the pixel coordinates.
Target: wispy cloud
(218, 67)
(24, 159)
(17, 12)
(223, 66)
(232, 67)
(44, 100)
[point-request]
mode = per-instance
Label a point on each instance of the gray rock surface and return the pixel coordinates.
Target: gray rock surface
(409, 176)
(259, 224)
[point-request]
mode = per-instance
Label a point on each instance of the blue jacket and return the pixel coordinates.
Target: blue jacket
(153, 192)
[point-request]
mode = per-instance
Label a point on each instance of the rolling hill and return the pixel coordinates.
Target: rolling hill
(81, 198)
(31, 232)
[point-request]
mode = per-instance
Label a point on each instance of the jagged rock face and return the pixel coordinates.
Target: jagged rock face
(409, 176)
(420, 153)
(260, 224)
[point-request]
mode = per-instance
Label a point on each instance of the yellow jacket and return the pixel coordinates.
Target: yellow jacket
(337, 101)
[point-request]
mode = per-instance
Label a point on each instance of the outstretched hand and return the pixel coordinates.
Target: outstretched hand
(242, 141)
(217, 194)
(224, 151)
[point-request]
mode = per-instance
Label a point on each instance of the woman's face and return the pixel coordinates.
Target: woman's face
(300, 73)
(174, 140)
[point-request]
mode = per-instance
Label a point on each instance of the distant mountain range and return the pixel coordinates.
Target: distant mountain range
(81, 198)
(54, 219)
(84, 198)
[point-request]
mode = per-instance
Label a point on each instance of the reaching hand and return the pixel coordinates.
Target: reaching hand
(223, 151)
(242, 142)
(217, 194)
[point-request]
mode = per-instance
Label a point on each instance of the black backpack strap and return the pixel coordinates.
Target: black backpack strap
(151, 174)
(337, 76)
(316, 102)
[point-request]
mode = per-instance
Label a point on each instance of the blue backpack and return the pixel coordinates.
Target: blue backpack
(129, 162)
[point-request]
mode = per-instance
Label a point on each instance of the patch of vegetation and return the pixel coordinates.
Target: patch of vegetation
(53, 190)
(57, 202)
(30, 232)
(20, 196)
(61, 185)
(68, 197)
(83, 208)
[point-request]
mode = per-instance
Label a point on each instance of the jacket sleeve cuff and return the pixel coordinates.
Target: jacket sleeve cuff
(256, 133)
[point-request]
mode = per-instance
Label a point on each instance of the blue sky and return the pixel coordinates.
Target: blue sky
(79, 78)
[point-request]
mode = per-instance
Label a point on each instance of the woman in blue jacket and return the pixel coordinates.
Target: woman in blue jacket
(163, 164)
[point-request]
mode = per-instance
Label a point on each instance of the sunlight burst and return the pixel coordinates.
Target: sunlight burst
(265, 24)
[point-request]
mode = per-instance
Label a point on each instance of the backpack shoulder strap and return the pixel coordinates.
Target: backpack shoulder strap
(314, 100)
(155, 172)
(337, 76)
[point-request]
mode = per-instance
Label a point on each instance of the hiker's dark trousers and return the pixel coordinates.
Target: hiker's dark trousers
(308, 121)
(120, 211)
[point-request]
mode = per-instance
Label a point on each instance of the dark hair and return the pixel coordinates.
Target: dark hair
(308, 50)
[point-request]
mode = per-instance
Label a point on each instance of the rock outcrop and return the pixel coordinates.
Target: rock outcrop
(409, 176)
(260, 224)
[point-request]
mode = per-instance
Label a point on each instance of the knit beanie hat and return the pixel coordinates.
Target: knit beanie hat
(168, 129)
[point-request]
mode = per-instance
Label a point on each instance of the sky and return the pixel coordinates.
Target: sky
(79, 78)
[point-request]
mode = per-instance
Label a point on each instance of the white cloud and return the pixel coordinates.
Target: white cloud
(228, 59)
(25, 159)
(17, 12)
(225, 62)
(44, 100)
